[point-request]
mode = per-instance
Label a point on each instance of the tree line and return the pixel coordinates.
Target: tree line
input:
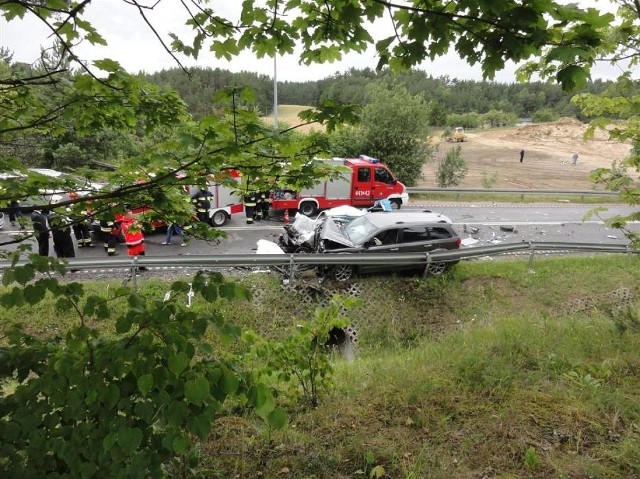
(444, 95)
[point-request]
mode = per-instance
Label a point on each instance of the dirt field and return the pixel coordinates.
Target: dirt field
(547, 160)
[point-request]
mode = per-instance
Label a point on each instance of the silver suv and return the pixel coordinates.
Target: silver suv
(395, 232)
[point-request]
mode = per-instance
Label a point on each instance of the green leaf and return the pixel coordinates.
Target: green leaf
(180, 444)
(136, 303)
(111, 396)
(277, 419)
(107, 65)
(145, 384)
(197, 390)
(123, 324)
(200, 425)
(129, 438)
(178, 363)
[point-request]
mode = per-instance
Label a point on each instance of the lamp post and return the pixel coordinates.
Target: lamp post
(275, 94)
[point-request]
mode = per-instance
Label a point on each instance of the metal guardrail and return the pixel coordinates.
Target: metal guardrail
(288, 263)
(521, 192)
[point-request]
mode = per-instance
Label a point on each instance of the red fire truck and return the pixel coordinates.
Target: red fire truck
(225, 201)
(367, 182)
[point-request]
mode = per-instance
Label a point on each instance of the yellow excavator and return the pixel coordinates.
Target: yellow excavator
(458, 135)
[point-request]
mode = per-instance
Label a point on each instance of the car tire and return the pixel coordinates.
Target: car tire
(302, 250)
(219, 218)
(437, 268)
(308, 208)
(343, 272)
(396, 204)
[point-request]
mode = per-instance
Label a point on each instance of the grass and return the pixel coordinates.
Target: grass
(288, 115)
(492, 371)
(525, 197)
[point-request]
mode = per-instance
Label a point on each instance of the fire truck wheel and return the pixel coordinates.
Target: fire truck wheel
(219, 218)
(396, 204)
(308, 208)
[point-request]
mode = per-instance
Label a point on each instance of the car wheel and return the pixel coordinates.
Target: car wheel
(437, 268)
(308, 208)
(396, 204)
(302, 250)
(343, 272)
(219, 218)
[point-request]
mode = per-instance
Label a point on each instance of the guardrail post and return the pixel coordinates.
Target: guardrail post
(425, 273)
(134, 272)
(532, 251)
(292, 266)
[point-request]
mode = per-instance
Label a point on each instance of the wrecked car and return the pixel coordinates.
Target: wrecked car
(300, 235)
(395, 232)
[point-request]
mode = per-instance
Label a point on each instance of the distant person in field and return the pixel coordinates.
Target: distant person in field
(521, 155)
(574, 159)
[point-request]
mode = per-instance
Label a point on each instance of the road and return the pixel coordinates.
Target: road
(481, 224)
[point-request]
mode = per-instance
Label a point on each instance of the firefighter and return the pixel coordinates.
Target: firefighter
(250, 202)
(133, 236)
(109, 234)
(202, 203)
(81, 228)
(61, 233)
(262, 205)
(40, 219)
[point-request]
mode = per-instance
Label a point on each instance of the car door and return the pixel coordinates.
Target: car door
(383, 183)
(384, 241)
(362, 194)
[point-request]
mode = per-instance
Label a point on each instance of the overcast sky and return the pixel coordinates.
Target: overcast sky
(133, 44)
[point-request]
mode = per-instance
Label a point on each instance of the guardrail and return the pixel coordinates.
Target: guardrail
(288, 264)
(521, 192)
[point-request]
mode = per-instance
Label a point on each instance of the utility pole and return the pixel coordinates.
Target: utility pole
(275, 93)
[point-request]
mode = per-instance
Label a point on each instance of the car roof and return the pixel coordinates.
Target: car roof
(384, 219)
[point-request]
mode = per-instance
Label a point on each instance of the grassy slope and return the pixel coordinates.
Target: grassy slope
(288, 115)
(455, 378)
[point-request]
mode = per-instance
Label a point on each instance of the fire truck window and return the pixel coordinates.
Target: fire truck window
(364, 175)
(383, 176)
(409, 235)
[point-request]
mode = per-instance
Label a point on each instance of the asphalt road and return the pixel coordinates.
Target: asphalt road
(480, 225)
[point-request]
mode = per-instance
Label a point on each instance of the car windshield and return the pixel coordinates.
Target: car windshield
(359, 229)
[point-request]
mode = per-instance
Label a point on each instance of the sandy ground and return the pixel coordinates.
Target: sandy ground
(547, 160)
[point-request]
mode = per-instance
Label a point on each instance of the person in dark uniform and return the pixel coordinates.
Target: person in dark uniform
(250, 202)
(61, 233)
(109, 234)
(81, 228)
(262, 205)
(14, 212)
(40, 219)
(202, 203)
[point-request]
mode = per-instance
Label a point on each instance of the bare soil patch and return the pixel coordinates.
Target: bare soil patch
(547, 161)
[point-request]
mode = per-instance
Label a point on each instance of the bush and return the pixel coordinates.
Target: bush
(452, 169)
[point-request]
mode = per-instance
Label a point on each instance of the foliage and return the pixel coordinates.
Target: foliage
(83, 404)
(489, 180)
(495, 119)
(544, 115)
(452, 168)
(299, 364)
(465, 120)
(395, 130)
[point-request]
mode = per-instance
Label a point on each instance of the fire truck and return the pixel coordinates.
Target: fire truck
(225, 201)
(367, 181)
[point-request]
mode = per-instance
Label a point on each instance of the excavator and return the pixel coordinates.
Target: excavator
(458, 135)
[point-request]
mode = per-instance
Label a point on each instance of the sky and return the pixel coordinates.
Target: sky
(135, 46)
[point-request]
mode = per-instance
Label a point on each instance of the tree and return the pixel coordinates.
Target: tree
(70, 392)
(395, 130)
(452, 168)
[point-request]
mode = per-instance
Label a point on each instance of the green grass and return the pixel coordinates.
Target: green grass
(525, 197)
(495, 370)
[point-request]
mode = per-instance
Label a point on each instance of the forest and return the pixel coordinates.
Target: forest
(445, 94)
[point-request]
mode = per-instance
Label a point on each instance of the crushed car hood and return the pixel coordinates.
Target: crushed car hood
(332, 232)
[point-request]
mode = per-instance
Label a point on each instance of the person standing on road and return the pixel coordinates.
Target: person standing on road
(133, 236)
(61, 233)
(40, 220)
(174, 229)
(202, 203)
(574, 159)
(521, 155)
(14, 213)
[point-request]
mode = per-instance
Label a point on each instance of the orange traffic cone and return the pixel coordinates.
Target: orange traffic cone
(286, 217)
